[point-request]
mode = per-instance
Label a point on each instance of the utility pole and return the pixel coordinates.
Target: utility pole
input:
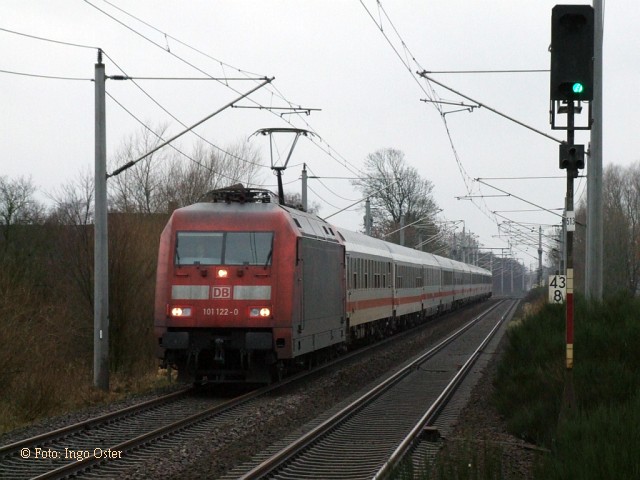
(511, 263)
(594, 265)
(464, 245)
(367, 217)
(304, 187)
(502, 273)
(402, 230)
(101, 258)
(540, 256)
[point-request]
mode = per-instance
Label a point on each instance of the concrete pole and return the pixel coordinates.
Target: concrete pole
(454, 248)
(367, 217)
(594, 250)
(511, 262)
(502, 273)
(464, 246)
(539, 256)
(304, 187)
(101, 245)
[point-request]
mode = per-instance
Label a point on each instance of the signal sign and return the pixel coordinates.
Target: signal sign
(557, 288)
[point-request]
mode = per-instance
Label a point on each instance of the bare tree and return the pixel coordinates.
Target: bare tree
(73, 214)
(172, 177)
(397, 191)
(295, 200)
(621, 209)
(73, 202)
(138, 189)
(18, 205)
(632, 206)
(209, 168)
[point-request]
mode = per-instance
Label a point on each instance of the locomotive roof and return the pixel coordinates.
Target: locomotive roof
(311, 225)
(307, 224)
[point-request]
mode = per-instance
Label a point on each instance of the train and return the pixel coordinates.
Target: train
(249, 289)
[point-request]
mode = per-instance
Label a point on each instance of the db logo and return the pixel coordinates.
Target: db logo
(220, 292)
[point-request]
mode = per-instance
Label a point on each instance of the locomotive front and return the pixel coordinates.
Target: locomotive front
(221, 300)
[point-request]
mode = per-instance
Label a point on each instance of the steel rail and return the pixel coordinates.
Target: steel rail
(90, 462)
(284, 455)
(431, 414)
(11, 448)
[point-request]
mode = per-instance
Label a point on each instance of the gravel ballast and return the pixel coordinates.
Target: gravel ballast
(212, 454)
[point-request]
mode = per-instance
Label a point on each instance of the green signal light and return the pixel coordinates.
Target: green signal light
(578, 87)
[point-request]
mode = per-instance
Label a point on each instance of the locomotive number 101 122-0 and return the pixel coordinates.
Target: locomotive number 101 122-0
(220, 311)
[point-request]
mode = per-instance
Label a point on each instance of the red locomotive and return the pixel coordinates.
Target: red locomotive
(247, 288)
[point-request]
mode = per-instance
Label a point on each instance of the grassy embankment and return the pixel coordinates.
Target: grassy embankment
(598, 437)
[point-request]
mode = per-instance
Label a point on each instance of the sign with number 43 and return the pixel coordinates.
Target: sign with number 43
(557, 288)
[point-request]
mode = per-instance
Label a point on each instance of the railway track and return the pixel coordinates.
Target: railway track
(373, 433)
(108, 445)
(101, 439)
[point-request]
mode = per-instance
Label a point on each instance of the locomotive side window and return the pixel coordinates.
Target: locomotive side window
(220, 248)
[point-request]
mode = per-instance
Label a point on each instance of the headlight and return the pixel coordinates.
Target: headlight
(181, 312)
(222, 273)
(260, 312)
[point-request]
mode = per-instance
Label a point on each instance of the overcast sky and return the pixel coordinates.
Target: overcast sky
(324, 54)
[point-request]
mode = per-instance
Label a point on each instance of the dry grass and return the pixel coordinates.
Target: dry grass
(45, 395)
(46, 319)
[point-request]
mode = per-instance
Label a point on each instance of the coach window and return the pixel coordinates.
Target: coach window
(354, 274)
(350, 275)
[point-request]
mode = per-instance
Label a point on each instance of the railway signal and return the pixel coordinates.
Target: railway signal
(572, 51)
(571, 82)
(571, 158)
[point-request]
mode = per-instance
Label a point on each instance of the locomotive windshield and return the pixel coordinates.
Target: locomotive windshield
(224, 248)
